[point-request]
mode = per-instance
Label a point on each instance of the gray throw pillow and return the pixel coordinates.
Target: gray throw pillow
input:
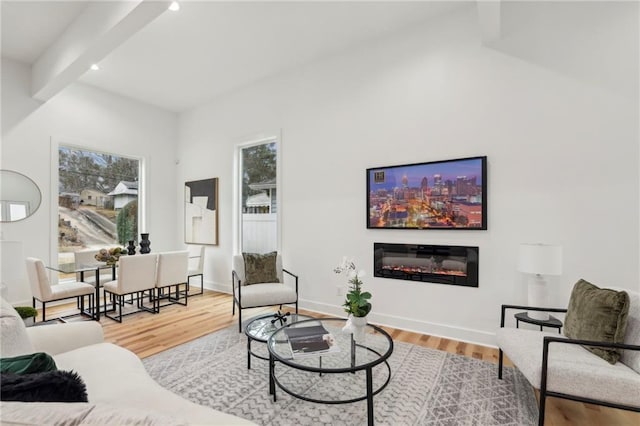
(597, 314)
(260, 268)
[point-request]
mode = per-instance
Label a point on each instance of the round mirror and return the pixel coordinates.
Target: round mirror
(19, 196)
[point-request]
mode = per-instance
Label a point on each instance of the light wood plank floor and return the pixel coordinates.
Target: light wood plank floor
(147, 334)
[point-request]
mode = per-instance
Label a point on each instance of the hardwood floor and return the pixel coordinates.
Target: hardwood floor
(146, 334)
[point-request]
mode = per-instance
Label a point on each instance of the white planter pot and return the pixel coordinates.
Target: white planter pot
(356, 326)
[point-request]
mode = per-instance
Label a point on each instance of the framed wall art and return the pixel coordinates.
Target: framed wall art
(201, 212)
(449, 194)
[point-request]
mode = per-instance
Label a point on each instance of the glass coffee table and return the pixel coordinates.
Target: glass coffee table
(259, 329)
(339, 377)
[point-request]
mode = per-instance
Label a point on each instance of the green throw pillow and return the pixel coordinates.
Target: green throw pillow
(260, 268)
(38, 362)
(597, 314)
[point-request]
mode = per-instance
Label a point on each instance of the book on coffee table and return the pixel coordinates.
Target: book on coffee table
(313, 340)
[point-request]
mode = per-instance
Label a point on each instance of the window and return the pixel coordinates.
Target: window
(258, 228)
(97, 201)
(11, 211)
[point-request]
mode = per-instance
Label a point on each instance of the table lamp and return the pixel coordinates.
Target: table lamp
(539, 260)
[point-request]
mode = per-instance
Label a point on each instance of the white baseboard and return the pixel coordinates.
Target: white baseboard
(467, 335)
(472, 336)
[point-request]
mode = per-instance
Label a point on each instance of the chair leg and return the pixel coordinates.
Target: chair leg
(44, 312)
(296, 307)
(543, 400)
(239, 319)
(500, 359)
(121, 301)
(233, 306)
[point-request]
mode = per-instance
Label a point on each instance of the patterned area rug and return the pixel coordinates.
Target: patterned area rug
(427, 387)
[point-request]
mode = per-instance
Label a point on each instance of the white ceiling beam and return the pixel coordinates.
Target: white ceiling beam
(97, 31)
(489, 20)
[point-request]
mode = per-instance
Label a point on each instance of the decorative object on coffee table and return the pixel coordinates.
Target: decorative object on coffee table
(357, 303)
(145, 243)
(259, 329)
(131, 248)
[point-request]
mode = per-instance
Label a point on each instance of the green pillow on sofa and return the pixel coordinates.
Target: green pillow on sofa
(597, 314)
(26, 364)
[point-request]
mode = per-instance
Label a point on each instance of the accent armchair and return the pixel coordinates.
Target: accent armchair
(44, 292)
(269, 291)
(563, 367)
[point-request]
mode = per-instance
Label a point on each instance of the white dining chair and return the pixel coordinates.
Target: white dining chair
(136, 276)
(44, 292)
(196, 270)
(171, 275)
(87, 257)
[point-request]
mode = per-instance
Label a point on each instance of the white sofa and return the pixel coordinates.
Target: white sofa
(118, 387)
(562, 367)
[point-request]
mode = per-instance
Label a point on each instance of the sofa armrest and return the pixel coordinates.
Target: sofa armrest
(526, 308)
(58, 338)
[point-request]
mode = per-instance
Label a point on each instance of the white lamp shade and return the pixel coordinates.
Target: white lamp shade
(540, 259)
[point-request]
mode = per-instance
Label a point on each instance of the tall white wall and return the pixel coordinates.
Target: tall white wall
(562, 168)
(94, 119)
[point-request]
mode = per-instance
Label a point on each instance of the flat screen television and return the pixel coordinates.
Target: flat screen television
(448, 194)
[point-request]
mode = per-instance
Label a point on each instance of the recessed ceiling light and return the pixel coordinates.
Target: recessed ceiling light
(95, 67)
(174, 6)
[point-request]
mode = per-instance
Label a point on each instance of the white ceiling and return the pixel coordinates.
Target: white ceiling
(186, 58)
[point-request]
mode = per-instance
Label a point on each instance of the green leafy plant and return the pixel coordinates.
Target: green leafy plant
(126, 222)
(26, 312)
(357, 301)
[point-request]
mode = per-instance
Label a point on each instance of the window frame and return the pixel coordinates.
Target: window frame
(261, 139)
(55, 144)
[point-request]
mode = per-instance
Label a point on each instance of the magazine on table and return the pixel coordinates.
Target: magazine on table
(313, 340)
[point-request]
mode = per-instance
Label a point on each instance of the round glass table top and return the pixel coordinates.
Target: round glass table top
(373, 348)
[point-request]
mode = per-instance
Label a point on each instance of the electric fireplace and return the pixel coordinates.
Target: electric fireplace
(455, 265)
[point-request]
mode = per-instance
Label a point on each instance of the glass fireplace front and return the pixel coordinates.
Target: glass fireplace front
(455, 265)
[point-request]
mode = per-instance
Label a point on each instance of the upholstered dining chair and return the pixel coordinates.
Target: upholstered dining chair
(258, 280)
(172, 273)
(196, 270)
(44, 292)
(87, 257)
(137, 276)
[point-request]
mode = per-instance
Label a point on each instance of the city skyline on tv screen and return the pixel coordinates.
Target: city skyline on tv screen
(446, 195)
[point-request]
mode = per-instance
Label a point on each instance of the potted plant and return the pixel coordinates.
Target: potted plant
(357, 303)
(27, 313)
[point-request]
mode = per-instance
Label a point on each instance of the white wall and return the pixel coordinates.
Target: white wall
(95, 119)
(562, 168)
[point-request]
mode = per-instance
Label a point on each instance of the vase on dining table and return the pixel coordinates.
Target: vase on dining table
(131, 248)
(145, 243)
